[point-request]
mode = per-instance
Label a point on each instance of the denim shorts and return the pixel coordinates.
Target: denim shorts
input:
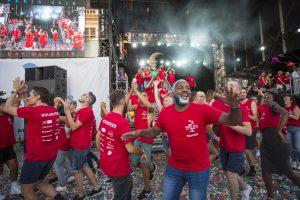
(232, 161)
(136, 159)
(34, 171)
(78, 158)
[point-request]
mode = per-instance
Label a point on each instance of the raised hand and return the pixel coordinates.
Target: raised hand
(231, 96)
(103, 104)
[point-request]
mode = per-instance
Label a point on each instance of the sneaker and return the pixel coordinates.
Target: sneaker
(246, 193)
(79, 198)
(152, 173)
(95, 192)
(70, 179)
(53, 180)
(60, 188)
(2, 197)
(15, 188)
(144, 194)
(251, 173)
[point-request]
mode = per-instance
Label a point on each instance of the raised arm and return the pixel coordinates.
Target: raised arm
(157, 99)
(149, 133)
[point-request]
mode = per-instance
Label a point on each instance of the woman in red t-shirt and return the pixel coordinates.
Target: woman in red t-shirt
(43, 38)
(275, 150)
(262, 80)
(293, 129)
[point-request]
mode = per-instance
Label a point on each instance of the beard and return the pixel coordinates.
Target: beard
(180, 101)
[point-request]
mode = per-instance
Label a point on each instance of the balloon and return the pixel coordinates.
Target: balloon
(290, 64)
(154, 74)
(275, 60)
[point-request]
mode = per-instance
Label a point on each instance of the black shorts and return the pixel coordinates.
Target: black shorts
(34, 171)
(7, 154)
(232, 161)
(251, 140)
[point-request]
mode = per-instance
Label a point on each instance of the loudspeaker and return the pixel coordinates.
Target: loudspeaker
(51, 77)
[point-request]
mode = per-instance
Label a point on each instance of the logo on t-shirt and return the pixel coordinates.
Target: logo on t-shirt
(144, 115)
(191, 128)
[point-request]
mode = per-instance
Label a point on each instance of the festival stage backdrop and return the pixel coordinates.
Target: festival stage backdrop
(42, 28)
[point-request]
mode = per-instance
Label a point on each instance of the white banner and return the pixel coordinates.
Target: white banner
(83, 75)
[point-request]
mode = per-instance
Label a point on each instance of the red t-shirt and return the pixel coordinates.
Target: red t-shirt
(147, 76)
(134, 99)
(292, 121)
(114, 157)
(191, 81)
(16, 33)
(187, 136)
(231, 140)
(55, 36)
(7, 137)
(81, 138)
(287, 79)
(278, 79)
(162, 92)
(268, 119)
(247, 106)
(63, 141)
(141, 122)
(29, 40)
(150, 94)
(68, 35)
(139, 79)
(41, 132)
(261, 81)
(78, 41)
(171, 79)
(161, 74)
(43, 39)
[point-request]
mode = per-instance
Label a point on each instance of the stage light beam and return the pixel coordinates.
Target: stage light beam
(134, 45)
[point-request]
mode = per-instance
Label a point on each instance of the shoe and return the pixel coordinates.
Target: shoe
(2, 197)
(15, 188)
(251, 173)
(246, 193)
(257, 153)
(53, 180)
(144, 194)
(79, 198)
(60, 188)
(95, 192)
(70, 179)
(152, 173)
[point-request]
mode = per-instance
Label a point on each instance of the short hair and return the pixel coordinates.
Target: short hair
(116, 96)
(174, 85)
(91, 97)
(43, 92)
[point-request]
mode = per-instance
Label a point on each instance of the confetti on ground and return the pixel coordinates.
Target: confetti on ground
(218, 186)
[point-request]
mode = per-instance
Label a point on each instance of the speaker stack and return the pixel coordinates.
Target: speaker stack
(53, 78)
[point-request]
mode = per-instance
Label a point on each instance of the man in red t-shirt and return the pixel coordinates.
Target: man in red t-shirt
(54, 37)
(7, 153)
(185, 124)
(171, 76)
(251, 108)
(144, 115)
(140, 80)
(232, 146)
(82, 127)
(41, 139)
(114, 152)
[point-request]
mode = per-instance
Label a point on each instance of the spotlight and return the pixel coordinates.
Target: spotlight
(147, 61)
(298, 30)
(142, 63)
(204, 63)
(196, 61)
(168, 44)
(180, 44)
(262, 48)
(144, 43)
(174, 62)
(168, 63)
(134, 45)
(162, 61)
(238, 59)
(159, 43)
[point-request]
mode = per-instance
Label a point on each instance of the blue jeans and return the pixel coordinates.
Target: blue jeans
(293, 137)
(61, 164)
(176, 179)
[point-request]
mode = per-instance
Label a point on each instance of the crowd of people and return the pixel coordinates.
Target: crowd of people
(27, 34)
(197, 129)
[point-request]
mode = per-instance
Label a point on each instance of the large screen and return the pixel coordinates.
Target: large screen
(48, 30)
